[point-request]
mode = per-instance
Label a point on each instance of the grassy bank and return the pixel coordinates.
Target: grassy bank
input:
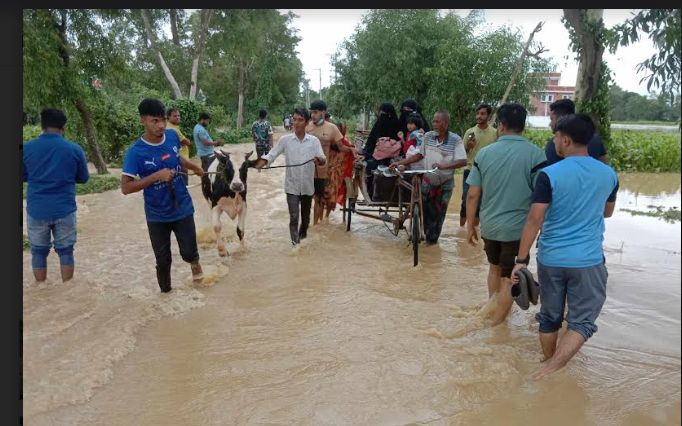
(632, 150)
(645, 122)
(96, 183)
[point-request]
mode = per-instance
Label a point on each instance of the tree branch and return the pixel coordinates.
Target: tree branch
(152, 38)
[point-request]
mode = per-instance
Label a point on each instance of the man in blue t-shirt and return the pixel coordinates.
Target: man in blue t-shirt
(155, 158)
(561, 108)
(570, 201)
(52, 167)
(205, 144)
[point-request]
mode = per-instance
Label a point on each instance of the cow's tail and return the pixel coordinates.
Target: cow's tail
(206, 187)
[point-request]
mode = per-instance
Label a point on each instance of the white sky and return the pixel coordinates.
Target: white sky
(322, 30)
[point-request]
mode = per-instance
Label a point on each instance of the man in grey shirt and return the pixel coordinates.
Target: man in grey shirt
(303, 152)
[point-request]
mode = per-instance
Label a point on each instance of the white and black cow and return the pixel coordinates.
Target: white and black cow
(225, 191)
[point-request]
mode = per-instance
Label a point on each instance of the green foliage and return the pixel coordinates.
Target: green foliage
(31, 132)
(598, 106)
(437, 60)
(670, 214)
(630, 106)
(632, 150)
(96, 184)
(25, 243)
(235, 136)
(663, 27)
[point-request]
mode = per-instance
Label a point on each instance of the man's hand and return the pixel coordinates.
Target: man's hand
(199, 172)
(318, 162)
(435, 166)
(517, 267)
(219, 142)
(165, 175)
(471, 142)
(472, 235)
(394, 166)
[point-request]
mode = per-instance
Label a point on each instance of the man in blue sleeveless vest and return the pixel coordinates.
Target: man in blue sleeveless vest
(571, 199)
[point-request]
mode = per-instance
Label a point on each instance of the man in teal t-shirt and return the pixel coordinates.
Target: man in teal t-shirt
(205, 144)
(503, 172)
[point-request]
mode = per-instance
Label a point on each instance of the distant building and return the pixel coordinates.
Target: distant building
(552, 92)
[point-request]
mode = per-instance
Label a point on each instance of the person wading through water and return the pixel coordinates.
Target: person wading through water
(151, 164)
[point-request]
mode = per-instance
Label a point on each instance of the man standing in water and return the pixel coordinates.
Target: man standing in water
(155, 159)
(261, 131)
(482, 134)
(503, 173)
(303, 153)
(570, 201)
(52, 167)
(330, 138)
(561, 108)
(205, 144)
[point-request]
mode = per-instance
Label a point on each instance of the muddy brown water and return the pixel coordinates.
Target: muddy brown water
(342, 331)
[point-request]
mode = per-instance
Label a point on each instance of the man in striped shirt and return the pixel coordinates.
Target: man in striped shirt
(442, 150)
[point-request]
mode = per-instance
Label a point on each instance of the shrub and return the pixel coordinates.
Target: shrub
(632, 150)
(234, 136)
(96, 184)
(31, 132)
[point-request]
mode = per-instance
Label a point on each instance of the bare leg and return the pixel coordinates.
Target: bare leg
(504, 302)
(548, 343)
(40, 274)
(67, 272)
(477, 221)
(569, 345)
(317, 210)
(494, 276)
(462, 220)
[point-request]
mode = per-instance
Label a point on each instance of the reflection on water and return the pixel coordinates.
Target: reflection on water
(342, 331)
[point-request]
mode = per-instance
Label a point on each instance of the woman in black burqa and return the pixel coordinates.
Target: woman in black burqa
(408, 107)
(387, 125)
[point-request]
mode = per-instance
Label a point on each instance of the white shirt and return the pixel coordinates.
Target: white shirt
(297, 180)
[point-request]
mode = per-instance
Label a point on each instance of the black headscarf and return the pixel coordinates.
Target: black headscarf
(413, 107)
(387, 125)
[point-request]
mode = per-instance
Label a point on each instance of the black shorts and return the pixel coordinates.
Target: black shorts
(502, 254)
(320, 184)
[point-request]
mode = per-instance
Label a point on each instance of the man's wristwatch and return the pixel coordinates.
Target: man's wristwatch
(525, 261)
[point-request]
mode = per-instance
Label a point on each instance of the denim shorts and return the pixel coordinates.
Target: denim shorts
(43, 233)
(583, 289)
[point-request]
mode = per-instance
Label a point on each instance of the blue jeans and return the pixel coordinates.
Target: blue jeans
(583, 288)
(43, 232)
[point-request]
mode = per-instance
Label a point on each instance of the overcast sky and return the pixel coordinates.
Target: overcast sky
(322, 30)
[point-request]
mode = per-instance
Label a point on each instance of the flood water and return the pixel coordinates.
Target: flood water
(342, 331)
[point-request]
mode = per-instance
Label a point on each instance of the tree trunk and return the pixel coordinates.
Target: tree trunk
(91, 136)
(242, 90)
(589, 69)
(200, 43)
(174, 26)
(166, 71)
(517, 68)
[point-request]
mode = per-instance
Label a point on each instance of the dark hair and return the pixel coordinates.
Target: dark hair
(318, 105)
(151, 107)
(262, 114)
(562, 107)
(445, 114)
(513, 116)
(50, 117)
(302, 112)
(416, 119)
(204, 116)
(171, 111)
(487, 107)
(579, 127)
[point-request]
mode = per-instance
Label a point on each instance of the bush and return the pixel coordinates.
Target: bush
(31, 132)
(234, 136)
(632, 150)
(96, 184)
(26, 243)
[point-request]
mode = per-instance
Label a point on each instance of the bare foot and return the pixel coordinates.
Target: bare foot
(222, 251)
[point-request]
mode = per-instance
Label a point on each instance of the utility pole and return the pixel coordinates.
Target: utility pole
(320, 70)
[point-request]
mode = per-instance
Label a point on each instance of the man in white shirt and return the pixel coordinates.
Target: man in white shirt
(303, 152)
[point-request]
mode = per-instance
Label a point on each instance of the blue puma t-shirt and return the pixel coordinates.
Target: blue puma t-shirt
(144, 158)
